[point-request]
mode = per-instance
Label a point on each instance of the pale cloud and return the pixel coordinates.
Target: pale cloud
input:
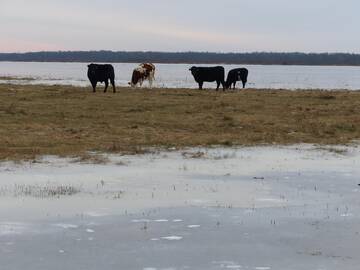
(18, 45)
(172, 25)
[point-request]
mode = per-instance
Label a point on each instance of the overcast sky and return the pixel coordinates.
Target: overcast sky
(180, 25)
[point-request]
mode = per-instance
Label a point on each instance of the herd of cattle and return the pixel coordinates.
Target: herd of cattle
(146, 71)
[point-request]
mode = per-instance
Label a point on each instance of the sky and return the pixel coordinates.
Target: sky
(180, 25)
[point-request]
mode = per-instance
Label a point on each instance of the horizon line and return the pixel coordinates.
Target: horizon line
(179, 52)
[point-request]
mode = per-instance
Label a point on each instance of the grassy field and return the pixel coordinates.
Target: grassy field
(70, 121)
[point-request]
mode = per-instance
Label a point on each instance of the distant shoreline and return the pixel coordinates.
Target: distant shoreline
(179, 63)
(255, 58)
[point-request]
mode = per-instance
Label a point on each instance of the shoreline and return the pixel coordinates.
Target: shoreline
(27, 81)
(183, 63)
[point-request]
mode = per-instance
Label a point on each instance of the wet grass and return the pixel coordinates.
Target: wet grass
(70, 121)
(10, 78)
(39, 191)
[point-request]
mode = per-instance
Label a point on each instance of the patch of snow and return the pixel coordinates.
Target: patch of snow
(161, 220)
(140, 220)
(66, 226)
(177, 220)
(193, 226)
(172, 238)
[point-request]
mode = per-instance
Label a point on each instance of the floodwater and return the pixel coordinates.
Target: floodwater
(179, 76)
(260, 208)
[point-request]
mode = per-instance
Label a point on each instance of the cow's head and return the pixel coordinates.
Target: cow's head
(92, 68)
(227, 84)
(137, 76)
(148, 66)
(194, 70)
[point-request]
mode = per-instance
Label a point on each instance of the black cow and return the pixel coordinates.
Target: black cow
(209, 74)
(238, 74)
(101, 73)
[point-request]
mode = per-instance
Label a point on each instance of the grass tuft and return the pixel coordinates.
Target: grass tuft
(40, 191)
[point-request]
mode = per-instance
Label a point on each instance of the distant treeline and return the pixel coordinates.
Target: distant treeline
(261, 58)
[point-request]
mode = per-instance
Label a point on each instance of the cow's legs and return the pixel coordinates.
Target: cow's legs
(244, 84)
(201, 85)
(234, 85)
(113, 84)
(106, 86)
(217, 85)
(150, 82)
(152, 76)
(94, 86)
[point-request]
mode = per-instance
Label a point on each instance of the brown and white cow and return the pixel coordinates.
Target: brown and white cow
(143, 72)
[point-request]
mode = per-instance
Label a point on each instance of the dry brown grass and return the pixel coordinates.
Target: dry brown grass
(9, 78)
(69, 121)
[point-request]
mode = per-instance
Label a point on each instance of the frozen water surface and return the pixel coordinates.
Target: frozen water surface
(258, 208)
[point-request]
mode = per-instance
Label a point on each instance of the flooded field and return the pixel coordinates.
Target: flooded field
(258, 208)
(179, 76)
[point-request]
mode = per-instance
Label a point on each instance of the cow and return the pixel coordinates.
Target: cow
(234, 75)
(145, 71)
(209, 74)
(101, 73)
